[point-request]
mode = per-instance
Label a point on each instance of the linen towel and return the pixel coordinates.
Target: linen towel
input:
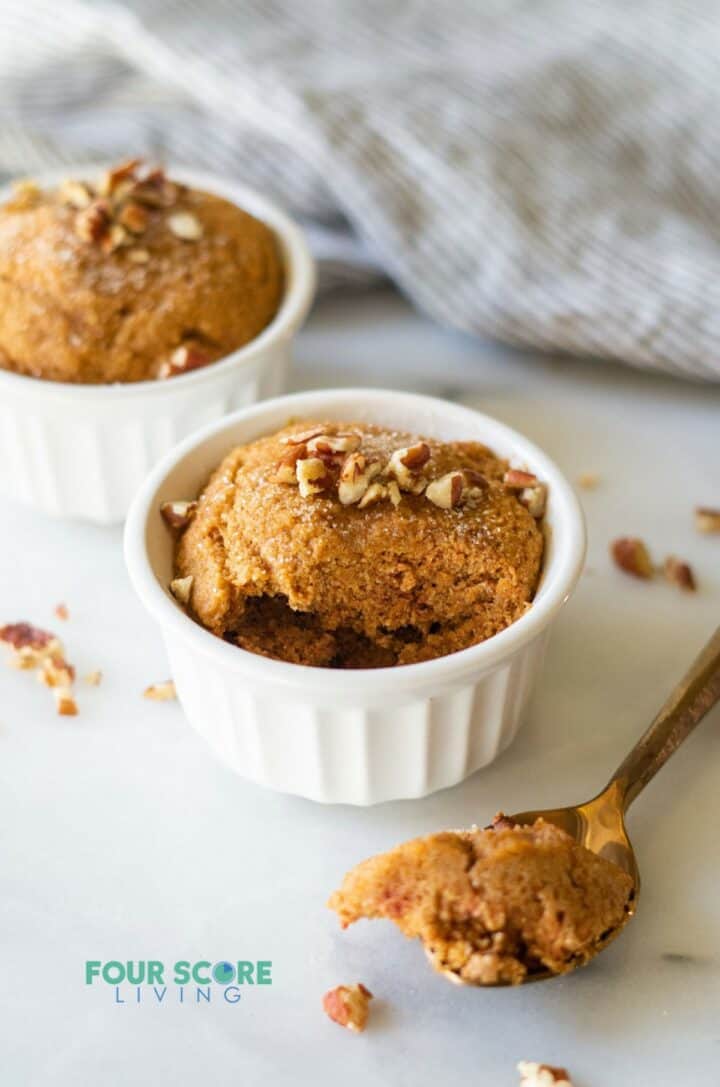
(545, 172)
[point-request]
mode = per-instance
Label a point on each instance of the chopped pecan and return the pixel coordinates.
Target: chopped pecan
(502, 822)
(415, 456)
(26, 194)
(55, 671)
(631, 555)
(114, 238)
(348, 1005)
(374, 493)
(377, 492)
(356, 475)
(93, 223)
(407, 464)
(181, 587)
(533, 1074)
(707, 520)
(64, 702)
(122, 191)
(534, 499)
(301, 437)
(332, 461)
(475, 479)
(533, 495)
(185, 225)
(133, 217)
(24, 635)
(331, 444)
(160, 692)
(446, 492)
(285, 469)
(113, 178)
(77, 194)
(475, 486)
(313, 476)
(156, 190)
(178, 515)
(42, 651)
(679, 573)
(517, 479)
(27, 658)
(183, 360)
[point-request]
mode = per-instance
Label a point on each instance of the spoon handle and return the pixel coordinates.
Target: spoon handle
(695, 694)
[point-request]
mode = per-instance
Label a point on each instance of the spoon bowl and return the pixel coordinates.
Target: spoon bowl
(599, 824)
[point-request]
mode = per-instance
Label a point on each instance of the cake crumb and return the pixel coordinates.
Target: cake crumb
(588, 480)
(61, 612)
(94, 679)
(34, 649)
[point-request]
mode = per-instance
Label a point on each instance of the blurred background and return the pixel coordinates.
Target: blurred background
(543, 173)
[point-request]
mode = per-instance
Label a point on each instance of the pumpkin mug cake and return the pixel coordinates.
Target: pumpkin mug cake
(355, 602)
(348, 545)
(135, 306)
(129, 277)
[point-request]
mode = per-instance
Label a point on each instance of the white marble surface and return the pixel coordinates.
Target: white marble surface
(122, 838)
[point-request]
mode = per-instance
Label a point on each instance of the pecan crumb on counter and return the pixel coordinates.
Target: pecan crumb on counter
(41, 651)
(533, 1074)
(679, 573)
(349, 1006)
(160, 692)
(707, 520)
(630, 554)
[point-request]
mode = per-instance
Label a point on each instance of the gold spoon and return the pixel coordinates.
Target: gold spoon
(599, 824)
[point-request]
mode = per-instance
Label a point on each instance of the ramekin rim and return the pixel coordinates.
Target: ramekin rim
(297, 295)
(566, 566)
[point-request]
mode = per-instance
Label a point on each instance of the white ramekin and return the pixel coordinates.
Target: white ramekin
(363, 736)
(82, 450)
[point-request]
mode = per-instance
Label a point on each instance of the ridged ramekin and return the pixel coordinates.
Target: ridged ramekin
(356, 737)
(81, 451)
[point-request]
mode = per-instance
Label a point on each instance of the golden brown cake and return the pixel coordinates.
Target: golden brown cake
(352, 546)
(493, 905)
(131, 278)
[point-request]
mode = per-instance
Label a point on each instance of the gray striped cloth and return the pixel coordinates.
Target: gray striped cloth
(540, 171)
